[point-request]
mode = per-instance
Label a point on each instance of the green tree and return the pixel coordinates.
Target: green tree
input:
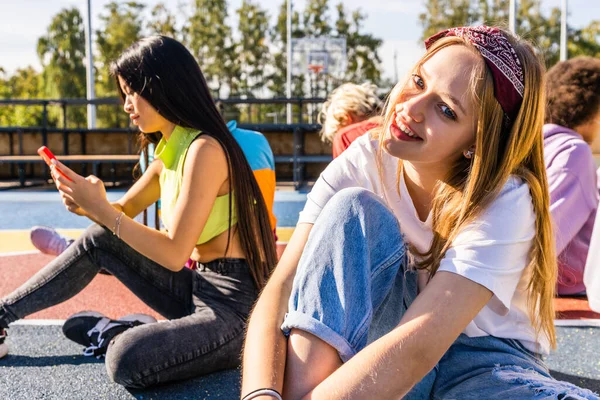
(162, 22)
(252, 50)
(210, 40)
(363, 61)
(364, 64)
(585, 41)
(444, 14)
(62, 52)
(121, 25)
(25, 83)
(543, 30)
(278, 35)
(316, 18)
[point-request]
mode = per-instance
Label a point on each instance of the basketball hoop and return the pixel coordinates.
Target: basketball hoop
(319, 55)
(315, 68)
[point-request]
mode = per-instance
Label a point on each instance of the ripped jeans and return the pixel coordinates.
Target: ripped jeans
(352, 287)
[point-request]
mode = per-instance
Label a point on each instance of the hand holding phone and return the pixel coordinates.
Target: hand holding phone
(48, 156)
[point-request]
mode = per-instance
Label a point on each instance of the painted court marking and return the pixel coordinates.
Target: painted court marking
(18, 253)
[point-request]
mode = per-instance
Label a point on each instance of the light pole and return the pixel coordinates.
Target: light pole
(91, 109)
(288, 86)
(512, 16)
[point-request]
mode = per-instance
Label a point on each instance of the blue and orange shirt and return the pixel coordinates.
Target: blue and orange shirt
(173, 153)
(258, 152)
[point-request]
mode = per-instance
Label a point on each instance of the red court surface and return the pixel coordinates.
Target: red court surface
(108, 296)
(105, 294)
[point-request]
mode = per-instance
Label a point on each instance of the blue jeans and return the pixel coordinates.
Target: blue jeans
(352, 287)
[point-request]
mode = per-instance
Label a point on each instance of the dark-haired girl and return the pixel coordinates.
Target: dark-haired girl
(214, 214)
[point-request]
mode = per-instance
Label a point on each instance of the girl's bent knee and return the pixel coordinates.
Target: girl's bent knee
(354, 195)
(97, 236)
(122, 364)
(357, 202)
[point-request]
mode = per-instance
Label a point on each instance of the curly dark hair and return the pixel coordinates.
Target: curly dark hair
(573, 91)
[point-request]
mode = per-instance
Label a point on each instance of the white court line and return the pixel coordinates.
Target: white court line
(19, 253)
(578, 322)
(39, 322)
(45, 322)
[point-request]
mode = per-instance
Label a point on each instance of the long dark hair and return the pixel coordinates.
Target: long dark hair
(163, 72)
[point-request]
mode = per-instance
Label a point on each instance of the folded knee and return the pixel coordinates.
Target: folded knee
(352, 202)
(96, 236)
(353, 196)
(123, 363)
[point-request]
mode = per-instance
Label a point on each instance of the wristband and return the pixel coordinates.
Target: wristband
(263, 392)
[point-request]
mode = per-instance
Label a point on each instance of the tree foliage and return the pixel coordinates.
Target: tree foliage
(540, 28)
(163, 22)
(209, 38)
(62, 54)
(252, 50)
(121, 26)
(25, 83)
(250, 58)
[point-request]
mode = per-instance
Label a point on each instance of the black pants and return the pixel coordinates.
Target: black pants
(206, 309)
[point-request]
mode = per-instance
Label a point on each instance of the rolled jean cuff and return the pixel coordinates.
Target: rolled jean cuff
(306, 323)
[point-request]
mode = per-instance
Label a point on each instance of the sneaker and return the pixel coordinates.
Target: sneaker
(95, 331)
(3, 345)
(48, 241)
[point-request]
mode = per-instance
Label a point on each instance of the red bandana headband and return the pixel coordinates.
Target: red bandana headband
(501, 58)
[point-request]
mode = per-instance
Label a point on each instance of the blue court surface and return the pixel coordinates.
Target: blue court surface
(22, 209)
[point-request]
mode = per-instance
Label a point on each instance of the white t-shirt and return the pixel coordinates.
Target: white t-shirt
(492, 251)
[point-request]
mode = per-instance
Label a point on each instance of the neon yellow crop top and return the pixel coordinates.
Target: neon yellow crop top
(172, 153)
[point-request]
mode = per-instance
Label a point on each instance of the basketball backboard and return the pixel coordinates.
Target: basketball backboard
(322, 55)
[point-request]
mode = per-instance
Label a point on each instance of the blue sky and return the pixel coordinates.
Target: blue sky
(22, 22)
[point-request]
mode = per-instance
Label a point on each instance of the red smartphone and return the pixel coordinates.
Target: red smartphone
(48, 156)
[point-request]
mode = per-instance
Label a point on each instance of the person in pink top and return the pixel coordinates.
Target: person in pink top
(572, 123)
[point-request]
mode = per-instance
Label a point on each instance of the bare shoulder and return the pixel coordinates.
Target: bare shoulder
(208, 147)
(206, 155)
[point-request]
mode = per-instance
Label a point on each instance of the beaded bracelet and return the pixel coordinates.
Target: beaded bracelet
(117, 228)
(263, 392)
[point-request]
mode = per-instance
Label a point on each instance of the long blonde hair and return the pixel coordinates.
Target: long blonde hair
(471, 185)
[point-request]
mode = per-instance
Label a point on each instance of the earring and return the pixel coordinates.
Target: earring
(468, 153)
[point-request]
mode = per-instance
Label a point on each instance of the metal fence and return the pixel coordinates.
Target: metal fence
(304, 116)
(250, 110)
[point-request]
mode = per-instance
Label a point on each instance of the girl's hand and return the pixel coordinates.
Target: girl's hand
(82, 196)
(72, 206)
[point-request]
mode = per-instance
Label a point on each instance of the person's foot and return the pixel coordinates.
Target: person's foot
(48, 240)
(95, 331)
(3, 345)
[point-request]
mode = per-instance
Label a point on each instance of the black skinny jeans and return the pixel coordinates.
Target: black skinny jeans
(207, 308)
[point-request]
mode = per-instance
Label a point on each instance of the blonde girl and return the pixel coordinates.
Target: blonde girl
(423, 263)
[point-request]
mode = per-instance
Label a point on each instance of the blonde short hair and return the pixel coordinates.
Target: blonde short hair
(349, 99)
